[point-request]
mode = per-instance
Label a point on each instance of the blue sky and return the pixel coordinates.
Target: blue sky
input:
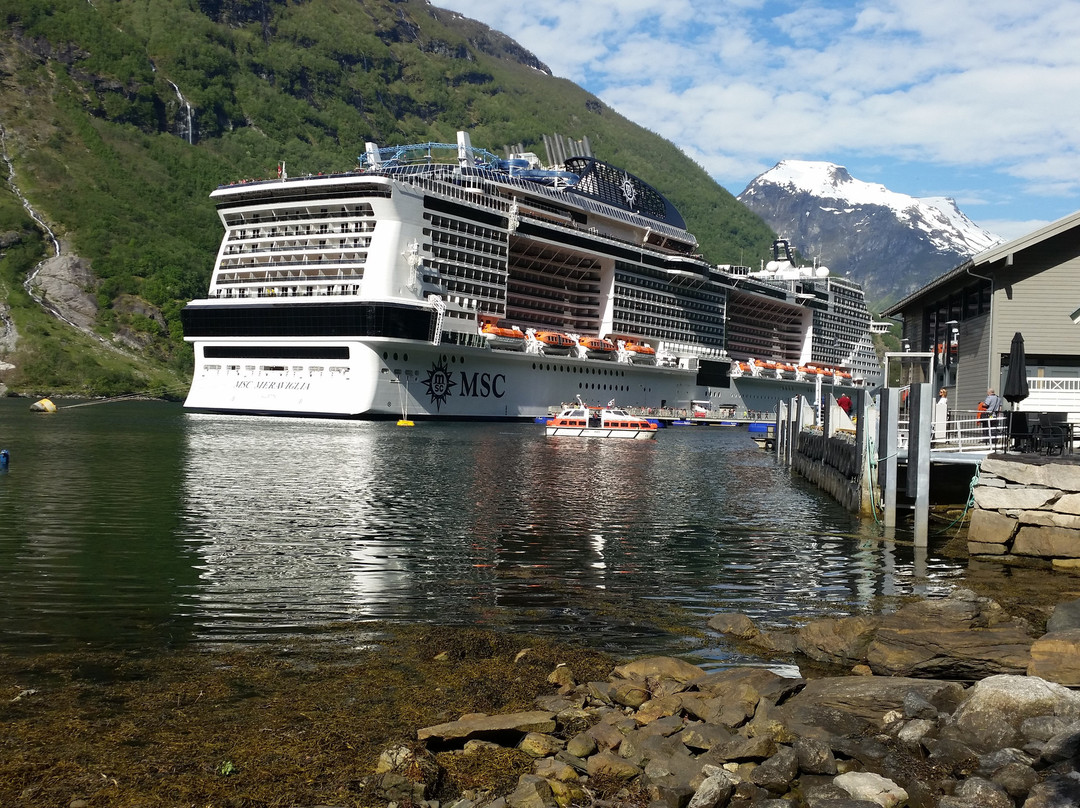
(978, 100)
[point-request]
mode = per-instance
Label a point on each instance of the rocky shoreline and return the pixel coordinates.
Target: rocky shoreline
(949, 703)
(957, 701)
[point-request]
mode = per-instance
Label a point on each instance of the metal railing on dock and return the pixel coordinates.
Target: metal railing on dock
(963, 431)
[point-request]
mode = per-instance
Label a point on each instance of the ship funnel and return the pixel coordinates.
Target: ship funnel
(372, 152)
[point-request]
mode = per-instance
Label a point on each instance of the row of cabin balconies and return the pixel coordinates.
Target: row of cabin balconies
(288, 290)
(277, 276)
(285, 214)
(266, 263)
(279, 231)
(257, 248)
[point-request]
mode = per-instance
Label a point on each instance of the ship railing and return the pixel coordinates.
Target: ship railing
(259, 267)
(255, 246)
(275, 276)
(308, 290)
(270, 217)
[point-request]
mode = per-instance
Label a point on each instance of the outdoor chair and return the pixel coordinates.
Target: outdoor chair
(1023, 432)
(1053, 433)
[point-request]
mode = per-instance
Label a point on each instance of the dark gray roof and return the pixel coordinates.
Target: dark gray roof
(981, 264)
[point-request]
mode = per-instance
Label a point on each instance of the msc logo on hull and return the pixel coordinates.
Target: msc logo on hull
(440, 384)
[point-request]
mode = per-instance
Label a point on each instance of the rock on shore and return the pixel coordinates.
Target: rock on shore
(666, 734)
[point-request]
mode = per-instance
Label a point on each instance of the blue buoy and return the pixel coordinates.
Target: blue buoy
(4, 458)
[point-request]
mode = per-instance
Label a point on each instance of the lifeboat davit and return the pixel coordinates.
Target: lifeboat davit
(555, 342)
(597, 347)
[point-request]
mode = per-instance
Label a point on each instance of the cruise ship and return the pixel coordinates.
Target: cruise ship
(443, 281)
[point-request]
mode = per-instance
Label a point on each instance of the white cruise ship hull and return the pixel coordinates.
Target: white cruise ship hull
(384, 378)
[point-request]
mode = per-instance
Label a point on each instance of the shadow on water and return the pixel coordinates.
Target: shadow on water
(137, 524)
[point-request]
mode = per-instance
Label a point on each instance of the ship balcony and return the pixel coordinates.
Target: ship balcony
(264, 246)
(556, 307)
(262, 261)
(288, 290)
(303, 274)
(280, 216)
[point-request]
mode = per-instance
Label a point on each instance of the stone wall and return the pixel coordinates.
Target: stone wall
(1029, 508)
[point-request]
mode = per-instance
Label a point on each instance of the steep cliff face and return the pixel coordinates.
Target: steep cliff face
(118, 119)
(889, 242)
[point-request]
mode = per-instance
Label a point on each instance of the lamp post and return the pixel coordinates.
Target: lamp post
(952, 334)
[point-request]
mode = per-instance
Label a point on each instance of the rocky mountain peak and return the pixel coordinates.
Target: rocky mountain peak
(890, 242)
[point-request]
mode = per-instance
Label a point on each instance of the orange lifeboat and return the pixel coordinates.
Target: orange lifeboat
(555, 341)
(500, 331)
(640, 352)
(503, 338)
(597, 347)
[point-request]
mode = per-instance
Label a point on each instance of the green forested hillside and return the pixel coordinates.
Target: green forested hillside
(99, 144)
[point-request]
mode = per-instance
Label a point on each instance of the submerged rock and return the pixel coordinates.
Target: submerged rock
(668, 733)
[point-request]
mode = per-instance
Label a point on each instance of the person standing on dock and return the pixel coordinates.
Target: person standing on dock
(941, 415)
(844, 403)
(991, 407)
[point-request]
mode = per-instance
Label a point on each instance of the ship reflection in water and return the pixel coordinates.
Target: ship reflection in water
(626, 545)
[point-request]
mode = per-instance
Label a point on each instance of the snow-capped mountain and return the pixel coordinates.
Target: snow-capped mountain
(891, 243)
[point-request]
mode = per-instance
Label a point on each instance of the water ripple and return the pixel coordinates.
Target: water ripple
(137, 524)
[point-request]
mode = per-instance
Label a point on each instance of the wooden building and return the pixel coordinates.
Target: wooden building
(968, 317)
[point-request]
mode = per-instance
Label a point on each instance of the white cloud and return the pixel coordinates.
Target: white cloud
(1009, 229)
(985, 85)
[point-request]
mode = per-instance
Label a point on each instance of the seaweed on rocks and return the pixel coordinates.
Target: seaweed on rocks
(292, 725)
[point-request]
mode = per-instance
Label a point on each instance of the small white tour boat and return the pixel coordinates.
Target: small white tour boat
(582, 421)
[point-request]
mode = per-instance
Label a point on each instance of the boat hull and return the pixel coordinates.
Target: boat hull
(382, 378)
(602, 432)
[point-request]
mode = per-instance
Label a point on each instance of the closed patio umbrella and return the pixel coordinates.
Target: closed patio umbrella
(1016, 385)
(1015, 391)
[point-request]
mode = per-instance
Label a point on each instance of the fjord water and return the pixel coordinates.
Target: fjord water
(137, 525)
